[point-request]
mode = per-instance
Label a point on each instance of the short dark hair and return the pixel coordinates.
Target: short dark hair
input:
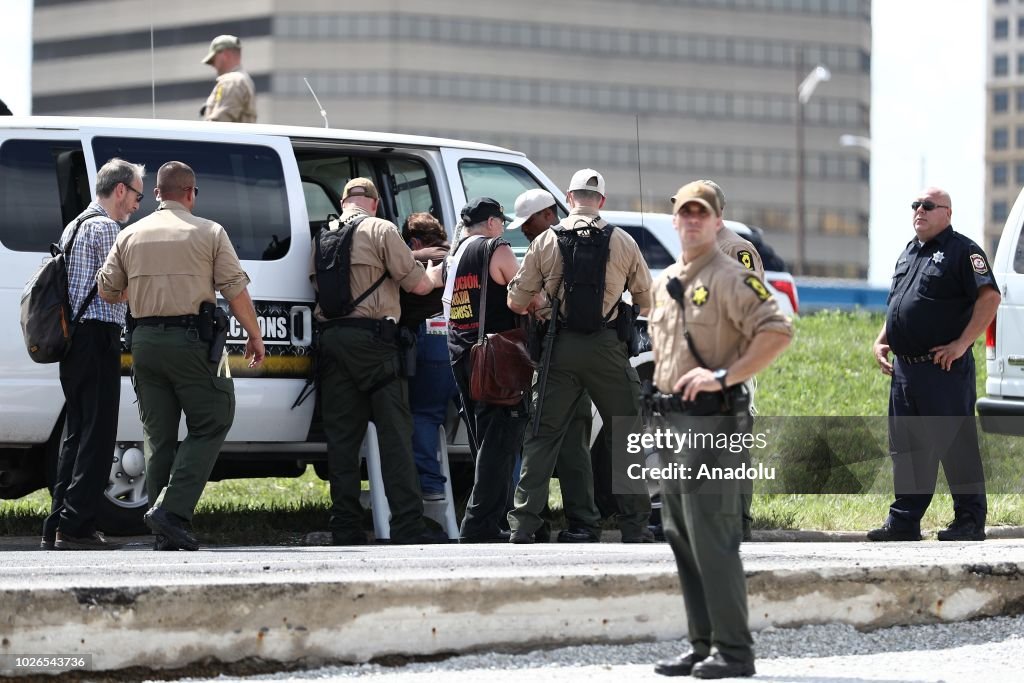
(424, 227)
(174, 178)
(587, 195)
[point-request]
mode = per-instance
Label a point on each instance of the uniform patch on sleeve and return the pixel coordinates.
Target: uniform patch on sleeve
(762, 292)
(700, 296)
(219, 94)
(978, 263)
(746, 259)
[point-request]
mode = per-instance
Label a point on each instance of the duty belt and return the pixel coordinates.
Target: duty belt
(168, 321)
(926, 358)
(384, 328)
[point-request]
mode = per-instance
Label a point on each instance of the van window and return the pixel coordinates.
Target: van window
(242, 187)
(404, 184)
(653, 251)
(503, 182)
(43, 187)
(1018, 254)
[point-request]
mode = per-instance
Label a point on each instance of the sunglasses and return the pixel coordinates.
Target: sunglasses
(194, 188)
(138, 195)
(927, 205)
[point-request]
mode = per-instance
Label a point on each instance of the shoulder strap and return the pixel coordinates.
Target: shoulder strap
(485, 275)
(67, 255)
(353, 224)
(675, 288)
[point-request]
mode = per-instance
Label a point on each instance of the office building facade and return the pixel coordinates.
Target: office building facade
(651, 92)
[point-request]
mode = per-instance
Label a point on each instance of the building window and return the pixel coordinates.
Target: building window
(999, 174)
(1018, 173)
(1000, 138)
(1001, 29)
(1000, 65)
(1020, 63)
(1020, 26)
(1019, 137)
(999, 211)
(1000, 101)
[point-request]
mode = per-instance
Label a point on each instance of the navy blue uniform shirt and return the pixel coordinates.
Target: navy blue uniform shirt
(933, 292)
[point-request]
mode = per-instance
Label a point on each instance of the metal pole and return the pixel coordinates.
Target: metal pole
(801, 226)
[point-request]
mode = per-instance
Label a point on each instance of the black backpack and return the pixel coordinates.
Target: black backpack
(333, 261)
(46, 321)
(584, 262)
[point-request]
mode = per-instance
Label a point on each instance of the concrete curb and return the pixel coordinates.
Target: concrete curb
(173, 626)
(815, 536)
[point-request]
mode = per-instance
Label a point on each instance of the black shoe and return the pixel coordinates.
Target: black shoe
(963, 529)
(520, 537)
(543, 534)
(681, 665)
(426, 537)
(658, 531)
(577, 535)
(645, 535)
(173, 527)
(718, 666)
(47, 543)
(501, 537)
(887, 533)
(160, 542)
(94, 541)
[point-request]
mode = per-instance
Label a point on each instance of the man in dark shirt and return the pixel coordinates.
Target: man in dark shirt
(943, 296)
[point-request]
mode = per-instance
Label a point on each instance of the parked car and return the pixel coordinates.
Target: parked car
(271, 187)
(1002, 409)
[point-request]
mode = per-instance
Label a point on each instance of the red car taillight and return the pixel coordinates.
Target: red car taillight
(990, 340)
(789, 289)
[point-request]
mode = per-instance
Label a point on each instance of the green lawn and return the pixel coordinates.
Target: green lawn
(827, 371)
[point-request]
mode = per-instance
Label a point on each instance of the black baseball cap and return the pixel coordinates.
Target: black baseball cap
(480, 209)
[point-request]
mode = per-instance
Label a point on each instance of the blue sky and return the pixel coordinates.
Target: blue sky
(927, 118)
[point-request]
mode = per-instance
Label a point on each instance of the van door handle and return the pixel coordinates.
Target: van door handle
(301, 318)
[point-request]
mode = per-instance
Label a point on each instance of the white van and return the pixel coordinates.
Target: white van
(1002, 411)
(271, 187)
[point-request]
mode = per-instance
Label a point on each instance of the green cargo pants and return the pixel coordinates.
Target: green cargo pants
(596, 363)
(172, 375)
(703, 526)
(359, 382)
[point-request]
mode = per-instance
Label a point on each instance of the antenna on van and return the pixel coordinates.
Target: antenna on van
(323, 112)
(152, 67)
(639, 175)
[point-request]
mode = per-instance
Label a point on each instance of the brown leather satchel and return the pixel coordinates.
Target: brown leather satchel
(501, 370)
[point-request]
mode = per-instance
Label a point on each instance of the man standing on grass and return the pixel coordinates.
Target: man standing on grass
(943, 296)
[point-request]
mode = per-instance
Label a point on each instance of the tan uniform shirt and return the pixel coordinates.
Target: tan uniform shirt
(542, 266)
(740, 249)
(233, 98)
(726, 307)
(376, 247)
(171, 262)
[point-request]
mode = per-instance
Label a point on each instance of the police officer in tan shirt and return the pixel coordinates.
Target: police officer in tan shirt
(596, 362)
(736, 330)
(359, 373)
(166, 266)
(233, 98)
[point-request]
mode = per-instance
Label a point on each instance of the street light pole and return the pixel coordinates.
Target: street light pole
(805, 86)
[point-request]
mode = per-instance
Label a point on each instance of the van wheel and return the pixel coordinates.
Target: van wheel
(125, 499)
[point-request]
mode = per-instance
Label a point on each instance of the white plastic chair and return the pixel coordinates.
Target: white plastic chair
(441, 511)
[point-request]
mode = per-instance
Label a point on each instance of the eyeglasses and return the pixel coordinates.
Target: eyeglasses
(194, 188)
(927, 205)
(138, 195)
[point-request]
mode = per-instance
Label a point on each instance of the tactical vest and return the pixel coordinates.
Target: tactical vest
(333, 270)
(585, 253)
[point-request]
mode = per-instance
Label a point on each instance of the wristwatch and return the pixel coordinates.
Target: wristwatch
(720, 375)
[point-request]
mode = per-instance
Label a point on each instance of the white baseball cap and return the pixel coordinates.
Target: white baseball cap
(529, 203)
(587, 179)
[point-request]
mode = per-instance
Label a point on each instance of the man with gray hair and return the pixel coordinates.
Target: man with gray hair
(90, 374)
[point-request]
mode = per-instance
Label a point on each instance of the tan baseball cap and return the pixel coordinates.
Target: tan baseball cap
(587, 179)
(529, 203)
(697, 191)
(224, 42)
(359, 187)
